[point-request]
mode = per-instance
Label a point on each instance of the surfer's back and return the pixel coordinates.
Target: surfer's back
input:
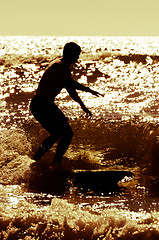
(53, 79)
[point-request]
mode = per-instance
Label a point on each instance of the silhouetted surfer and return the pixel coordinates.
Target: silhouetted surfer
(55, 78)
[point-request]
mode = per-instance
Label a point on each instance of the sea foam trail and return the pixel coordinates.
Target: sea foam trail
(98, 145)
(17, 167)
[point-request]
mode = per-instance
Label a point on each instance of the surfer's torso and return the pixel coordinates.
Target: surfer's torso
(54, 79)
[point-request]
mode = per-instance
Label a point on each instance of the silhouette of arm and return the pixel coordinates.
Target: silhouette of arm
(73, 94)
(73, 84)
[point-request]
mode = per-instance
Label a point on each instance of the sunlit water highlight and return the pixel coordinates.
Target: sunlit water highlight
(121, 135)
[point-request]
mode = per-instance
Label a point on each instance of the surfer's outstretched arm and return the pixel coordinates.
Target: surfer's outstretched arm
(81, 87)
(73, 94)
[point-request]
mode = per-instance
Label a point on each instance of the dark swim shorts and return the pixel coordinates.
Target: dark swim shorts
(48, 115)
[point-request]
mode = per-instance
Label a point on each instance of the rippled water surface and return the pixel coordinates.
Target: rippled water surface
(36, 203)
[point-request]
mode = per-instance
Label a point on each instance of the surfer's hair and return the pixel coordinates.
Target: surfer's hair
(70, 50)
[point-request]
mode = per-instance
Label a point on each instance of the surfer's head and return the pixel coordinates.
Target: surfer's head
(71, 52)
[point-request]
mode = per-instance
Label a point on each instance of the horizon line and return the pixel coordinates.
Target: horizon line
(79, 36)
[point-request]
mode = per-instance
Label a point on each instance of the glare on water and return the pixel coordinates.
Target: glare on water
(121, 135)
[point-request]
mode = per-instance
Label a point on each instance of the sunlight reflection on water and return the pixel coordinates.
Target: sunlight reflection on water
(130, 84)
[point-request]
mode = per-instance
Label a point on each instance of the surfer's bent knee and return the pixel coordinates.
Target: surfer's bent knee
(71, 134)
(68, 133)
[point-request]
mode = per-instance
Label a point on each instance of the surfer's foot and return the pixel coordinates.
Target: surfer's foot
(36, 157)
(57, 158)
(55, 166)
(40, 152)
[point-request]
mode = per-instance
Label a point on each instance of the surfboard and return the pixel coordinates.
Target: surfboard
(99, 180)
(59, 179)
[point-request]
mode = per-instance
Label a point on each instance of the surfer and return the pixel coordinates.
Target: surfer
(55, 78)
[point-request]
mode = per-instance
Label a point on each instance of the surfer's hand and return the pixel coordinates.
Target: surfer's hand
(87, 111)
(97, 94)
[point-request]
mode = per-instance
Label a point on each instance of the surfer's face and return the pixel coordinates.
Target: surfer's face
(75, 57)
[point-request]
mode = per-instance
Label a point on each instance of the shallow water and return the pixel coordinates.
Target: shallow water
(121, 135)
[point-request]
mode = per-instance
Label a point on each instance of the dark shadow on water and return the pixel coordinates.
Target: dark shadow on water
(99, 182)
(89, 182)
(44, 179)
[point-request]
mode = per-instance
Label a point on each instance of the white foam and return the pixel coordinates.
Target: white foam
(63, 219)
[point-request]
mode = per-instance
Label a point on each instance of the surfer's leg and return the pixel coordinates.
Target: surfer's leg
(46, 113)
(64, 129)
(54, 121)
(63, 144)
(45, 146)
(61, 132)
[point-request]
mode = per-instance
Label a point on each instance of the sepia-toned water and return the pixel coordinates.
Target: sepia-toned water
(123, 134)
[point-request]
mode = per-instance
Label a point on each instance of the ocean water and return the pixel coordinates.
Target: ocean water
(123, 134)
